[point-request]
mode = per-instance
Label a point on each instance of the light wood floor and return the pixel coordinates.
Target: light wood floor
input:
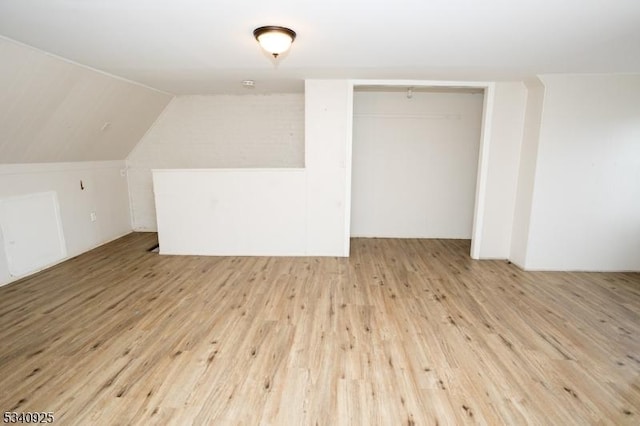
(406, 332)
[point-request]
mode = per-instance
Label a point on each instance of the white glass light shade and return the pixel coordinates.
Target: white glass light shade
(275, 40)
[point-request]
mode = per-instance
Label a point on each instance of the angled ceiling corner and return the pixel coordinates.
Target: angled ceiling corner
(54, 110)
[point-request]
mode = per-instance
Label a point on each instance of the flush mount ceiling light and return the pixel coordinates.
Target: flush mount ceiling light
(274, 39)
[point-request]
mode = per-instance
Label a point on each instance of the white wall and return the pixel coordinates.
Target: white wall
(526, 172)
(105, 194)
(329, 117)
(267, 211)
(507, 121)
(222, 131)
(585, 213)
(415, 163)
(250, 212)
(52, 110)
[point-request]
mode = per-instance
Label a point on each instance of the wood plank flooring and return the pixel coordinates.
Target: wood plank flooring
(406, 332)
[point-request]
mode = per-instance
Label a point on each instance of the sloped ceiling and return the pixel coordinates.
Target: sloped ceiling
(206, 46)
(56, 111)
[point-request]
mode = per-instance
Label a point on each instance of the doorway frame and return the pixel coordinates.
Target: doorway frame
(483, 152)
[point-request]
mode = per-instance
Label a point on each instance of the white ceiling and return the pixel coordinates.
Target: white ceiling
(207, 46)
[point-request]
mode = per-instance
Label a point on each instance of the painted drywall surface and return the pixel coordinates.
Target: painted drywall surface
(586, 207)
(527, 171)
(414, 164)
(105, 193)
(328, 120)
(503, 161)
(253, 211)
(250, 212)
(52, 110)
(221, 131)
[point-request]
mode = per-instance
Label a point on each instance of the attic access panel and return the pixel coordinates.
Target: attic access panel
(31, 232)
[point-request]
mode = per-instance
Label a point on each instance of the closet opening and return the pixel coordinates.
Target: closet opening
(417, 160)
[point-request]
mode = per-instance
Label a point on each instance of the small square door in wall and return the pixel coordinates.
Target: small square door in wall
(32, 233)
